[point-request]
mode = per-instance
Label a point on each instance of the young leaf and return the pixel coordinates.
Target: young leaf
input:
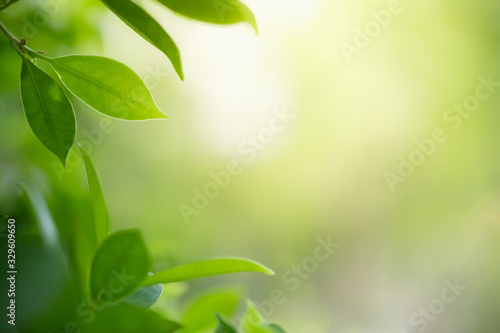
(208, 267)
(101, 222)
(119, 266)
(125, 318)
(48, 110)
(213, 11)
(108, 86)
(144, 297)
(199, 316)
(141, 22)
(223, 326)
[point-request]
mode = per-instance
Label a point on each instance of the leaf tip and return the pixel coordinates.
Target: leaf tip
(63, 159)
(269, 271)
(179, 72)
(255, 27)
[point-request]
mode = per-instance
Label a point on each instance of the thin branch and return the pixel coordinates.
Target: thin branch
(20, 45)
(9, 34)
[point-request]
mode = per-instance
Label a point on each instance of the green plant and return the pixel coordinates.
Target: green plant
(106, 85)
(108, 278)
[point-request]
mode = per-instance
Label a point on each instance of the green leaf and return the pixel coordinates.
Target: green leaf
(223, 326)
(200, 314)
(108, 86)
(254, 322)
(213, 11)
(101, 221)
(274, 328)
(48, 110)
(208, 267)
(144, 297)
(46, 225)
(6, 3)
(125, 318)
(142, 23)
(119, 266)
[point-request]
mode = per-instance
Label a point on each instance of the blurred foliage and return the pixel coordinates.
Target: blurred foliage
(101, 283)
(323, 175)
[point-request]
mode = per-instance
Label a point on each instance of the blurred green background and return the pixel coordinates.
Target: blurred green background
(323, 175)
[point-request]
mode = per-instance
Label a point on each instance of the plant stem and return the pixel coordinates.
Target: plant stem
(14, 41)
(9, 35)
(35, 54)
(20, 47)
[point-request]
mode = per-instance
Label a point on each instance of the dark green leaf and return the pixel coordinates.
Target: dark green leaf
(223, 326)
(101, 222)
(119, 266)
(208, 267)
(6, 3)
(125, 318)
(142, 23)
(213, 11)
(48, 110)
(200, 314)
(108, 86)
(46, 225)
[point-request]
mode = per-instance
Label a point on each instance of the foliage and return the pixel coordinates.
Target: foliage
(108, 278)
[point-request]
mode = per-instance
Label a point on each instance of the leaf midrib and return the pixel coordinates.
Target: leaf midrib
(65, 67)
(43, 105)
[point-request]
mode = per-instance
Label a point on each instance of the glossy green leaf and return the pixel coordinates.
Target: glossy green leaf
(48, 110)
(208, 267)
(125, 318)
(99, 210)
(144, 297)
(119, 266)
(223, 326)
(142, 23)
(213, 11)
(108, 86)
(200, 314)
